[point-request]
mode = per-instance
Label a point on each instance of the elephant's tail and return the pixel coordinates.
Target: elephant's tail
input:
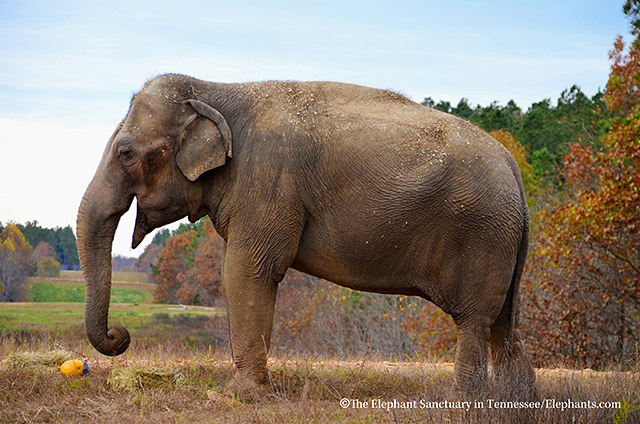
(511, 308)
(519, 269)
(508, 319)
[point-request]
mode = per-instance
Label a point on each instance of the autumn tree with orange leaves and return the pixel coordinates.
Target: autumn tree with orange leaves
(202, 282)
(172, 262)
(16, 262)
(584, 298)
(623, 87)
(187, 269)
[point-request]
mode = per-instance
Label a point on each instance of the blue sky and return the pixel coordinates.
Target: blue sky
(69, 68)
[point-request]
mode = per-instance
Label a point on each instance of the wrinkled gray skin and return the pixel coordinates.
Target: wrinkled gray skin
(355, 185)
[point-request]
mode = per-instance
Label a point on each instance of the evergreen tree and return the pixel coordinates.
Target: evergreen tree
(545, 129)
(63, 241)
(631, 8)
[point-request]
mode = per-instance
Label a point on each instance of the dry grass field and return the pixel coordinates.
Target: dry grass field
(170, 382)
(178, 365)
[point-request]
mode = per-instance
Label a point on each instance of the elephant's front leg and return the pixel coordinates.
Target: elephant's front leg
(250, 291)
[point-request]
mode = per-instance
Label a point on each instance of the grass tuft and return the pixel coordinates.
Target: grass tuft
(141, 377)
(46, 359)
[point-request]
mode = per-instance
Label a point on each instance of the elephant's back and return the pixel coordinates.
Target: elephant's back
(387, 118)
(342, 113)
(418, 141)
(356, 134)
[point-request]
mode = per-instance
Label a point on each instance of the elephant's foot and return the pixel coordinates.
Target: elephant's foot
(514, 370)
(520, 379)
(471, 387)
(245, 388)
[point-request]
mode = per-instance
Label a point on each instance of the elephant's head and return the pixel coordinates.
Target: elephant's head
(157, 154)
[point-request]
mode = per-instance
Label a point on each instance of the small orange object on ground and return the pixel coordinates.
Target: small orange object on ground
(74, 368)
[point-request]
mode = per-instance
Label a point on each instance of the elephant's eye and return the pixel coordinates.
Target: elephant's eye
(127, 156)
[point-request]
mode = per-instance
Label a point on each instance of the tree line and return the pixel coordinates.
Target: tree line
(55, 249)
(62, 241)
(545, 129)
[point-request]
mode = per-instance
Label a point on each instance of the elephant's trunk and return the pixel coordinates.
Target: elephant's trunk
(96, 227)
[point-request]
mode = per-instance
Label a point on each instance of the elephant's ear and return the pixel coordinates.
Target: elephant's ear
(206, 142)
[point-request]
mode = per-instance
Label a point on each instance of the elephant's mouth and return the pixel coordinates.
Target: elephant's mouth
(149, 218)
(142, 227)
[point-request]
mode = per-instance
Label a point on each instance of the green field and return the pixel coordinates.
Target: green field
(129, 277)
(56, 316)
(55, 307)
(67, 291)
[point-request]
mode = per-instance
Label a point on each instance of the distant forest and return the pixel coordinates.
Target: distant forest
(61, 239)
(545, 129)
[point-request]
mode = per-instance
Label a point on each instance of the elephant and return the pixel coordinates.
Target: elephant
(355, 185)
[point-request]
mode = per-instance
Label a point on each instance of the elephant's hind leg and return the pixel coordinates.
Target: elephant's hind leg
(482, 284)
(511, 365)
(471, 362)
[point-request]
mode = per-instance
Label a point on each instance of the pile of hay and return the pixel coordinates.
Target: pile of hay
(140, 377)
(33, 360)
